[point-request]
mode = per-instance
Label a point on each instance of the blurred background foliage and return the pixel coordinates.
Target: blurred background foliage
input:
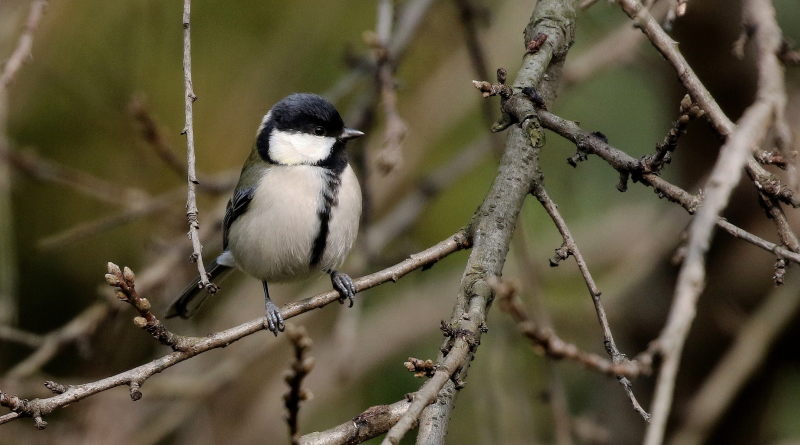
(70, 105)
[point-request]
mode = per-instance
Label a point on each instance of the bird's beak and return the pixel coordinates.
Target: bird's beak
(349, 133)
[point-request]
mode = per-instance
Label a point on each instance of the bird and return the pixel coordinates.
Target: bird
(296, 208)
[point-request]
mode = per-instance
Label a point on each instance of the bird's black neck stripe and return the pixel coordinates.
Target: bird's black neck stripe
(332, 178)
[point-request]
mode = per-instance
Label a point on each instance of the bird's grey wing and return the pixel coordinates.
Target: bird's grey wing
(236, 208)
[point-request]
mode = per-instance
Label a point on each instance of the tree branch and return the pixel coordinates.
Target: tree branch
(553, 346)
(734, 154)
(188, 130)
(571, 248)
(496, 219)
(136, 377)
(740, 363)
(371, 423)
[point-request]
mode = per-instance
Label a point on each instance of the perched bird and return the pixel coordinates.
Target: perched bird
(296, 208)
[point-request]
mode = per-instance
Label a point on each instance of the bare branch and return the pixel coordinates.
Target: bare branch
(735, 154)
(570, 248)
(23, 49)
(136, 377)
(553, 346)
(9, 334)
(738, 366)
(188, 130)
(621, 161)
(371, 423)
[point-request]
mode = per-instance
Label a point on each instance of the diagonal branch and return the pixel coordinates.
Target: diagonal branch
(739, 365)
(734, 154)
(571, 248)
(496, 220)
(191, 347)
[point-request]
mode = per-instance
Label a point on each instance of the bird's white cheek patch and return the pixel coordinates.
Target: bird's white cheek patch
(299, 148)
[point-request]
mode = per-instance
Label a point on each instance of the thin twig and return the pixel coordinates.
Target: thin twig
(553, 346)
(655, 162)
(9, 334)
(155, 138)
(124, 282)
(22, 52)
(571, 248)
(623, 162)
(193, 346)
(188, 130)
(301, 366)
(78, 329)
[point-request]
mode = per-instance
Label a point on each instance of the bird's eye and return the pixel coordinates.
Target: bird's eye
(319, 131)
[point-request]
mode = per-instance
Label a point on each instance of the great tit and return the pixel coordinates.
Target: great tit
(296, 208)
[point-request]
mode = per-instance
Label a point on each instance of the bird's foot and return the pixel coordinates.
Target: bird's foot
(344, 285)
(274, 319)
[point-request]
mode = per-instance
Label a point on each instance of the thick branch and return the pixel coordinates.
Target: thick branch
(496, 219)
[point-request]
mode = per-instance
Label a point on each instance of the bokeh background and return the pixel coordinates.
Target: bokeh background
(71, 106)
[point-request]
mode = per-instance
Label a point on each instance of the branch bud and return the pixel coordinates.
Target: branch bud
(112, 280)
(114, 269)
(128, 274)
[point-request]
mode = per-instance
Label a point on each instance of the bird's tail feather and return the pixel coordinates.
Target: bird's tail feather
(193, 296)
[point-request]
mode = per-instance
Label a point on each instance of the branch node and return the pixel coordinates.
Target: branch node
(136, 394)
(536, 43)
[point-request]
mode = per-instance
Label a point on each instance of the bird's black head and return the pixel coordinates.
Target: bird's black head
(307, 113)
(303, 128)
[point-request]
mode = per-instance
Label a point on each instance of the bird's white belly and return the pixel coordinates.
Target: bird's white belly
(274, 238)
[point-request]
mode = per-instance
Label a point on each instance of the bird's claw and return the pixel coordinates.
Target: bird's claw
(274, 319)
(344, 285)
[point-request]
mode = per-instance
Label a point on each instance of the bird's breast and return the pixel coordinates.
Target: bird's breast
(275, 239)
